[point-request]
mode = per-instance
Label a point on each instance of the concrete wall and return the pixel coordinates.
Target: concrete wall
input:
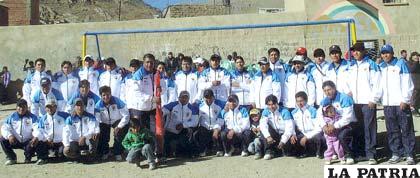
(61, 42)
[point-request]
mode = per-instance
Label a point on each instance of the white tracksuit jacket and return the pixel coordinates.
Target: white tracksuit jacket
(281, 121)
(364, 82)
(23, 128)
(176, 113)
(78, 126)
(52, 126)
(296, 82)
(396, 85)
(209, 115)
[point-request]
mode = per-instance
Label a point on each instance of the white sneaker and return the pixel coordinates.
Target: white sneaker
(328, 162)
(219, 153)
(410, 161)
(118, 158)
(257, 156)
(152, 166)
(349, 161)
(202, 154)
(343, 162)
(84, 152)
(334, 157)
(10, 162)
(268, 156)
(41, 162)
(244, 154)
(229, 154)
(372, 162)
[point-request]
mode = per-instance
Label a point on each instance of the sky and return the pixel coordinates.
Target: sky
(162, 4)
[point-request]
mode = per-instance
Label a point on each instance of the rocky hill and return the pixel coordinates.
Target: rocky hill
(74, 11)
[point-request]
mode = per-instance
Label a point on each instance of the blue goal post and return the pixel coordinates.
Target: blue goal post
(351, 30)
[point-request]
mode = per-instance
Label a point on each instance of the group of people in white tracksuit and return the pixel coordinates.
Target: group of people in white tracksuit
(291, 108)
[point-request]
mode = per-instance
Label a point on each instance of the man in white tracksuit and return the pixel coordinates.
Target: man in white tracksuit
(66, 81)
(88, 72)
(308, 127)
(187, 80)
(51, 126)
(237, 127)
(216, 78)
(210, 124)
(344, 107)
(396, 89)
(112, 77)
(21, 131)
(128, 88)
(80, 133)
(319, 73)
(276, 126)
(298, 79)
(278, 66)
(264, 83)
(89, 98)
(142, 102)
(32, 81)
(181, 120)
(111, 113)
(41, 96)
(241, 82)
(364, 86)
(338, 70)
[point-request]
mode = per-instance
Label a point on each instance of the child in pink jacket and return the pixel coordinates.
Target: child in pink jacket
(333, 144)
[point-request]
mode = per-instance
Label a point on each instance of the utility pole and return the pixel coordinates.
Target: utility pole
(119, 11)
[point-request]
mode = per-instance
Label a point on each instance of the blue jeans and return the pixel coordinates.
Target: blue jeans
(400, 131)
(134, 155)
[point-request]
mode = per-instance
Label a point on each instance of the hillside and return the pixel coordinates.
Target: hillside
(74, 11)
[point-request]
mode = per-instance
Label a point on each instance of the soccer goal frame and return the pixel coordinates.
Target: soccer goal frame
(351, 30)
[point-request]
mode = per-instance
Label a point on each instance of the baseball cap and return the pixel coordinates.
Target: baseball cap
(301, 51)
(199, 60)
(208, 93)
(215, 57)
(387, 49)
(184, 93)
(263, 61)
(45, 81)
(335, 48)
(254, 111)
(77, 101)
(359, 46)
(88, 58)
(51, 102)
(298, 59)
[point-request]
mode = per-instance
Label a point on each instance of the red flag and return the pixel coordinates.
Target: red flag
(159, 119)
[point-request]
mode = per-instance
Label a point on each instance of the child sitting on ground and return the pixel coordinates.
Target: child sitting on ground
(138, 142)
(255, 147)
(333, 144)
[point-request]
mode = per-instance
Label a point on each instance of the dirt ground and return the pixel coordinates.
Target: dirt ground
(209, 166)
